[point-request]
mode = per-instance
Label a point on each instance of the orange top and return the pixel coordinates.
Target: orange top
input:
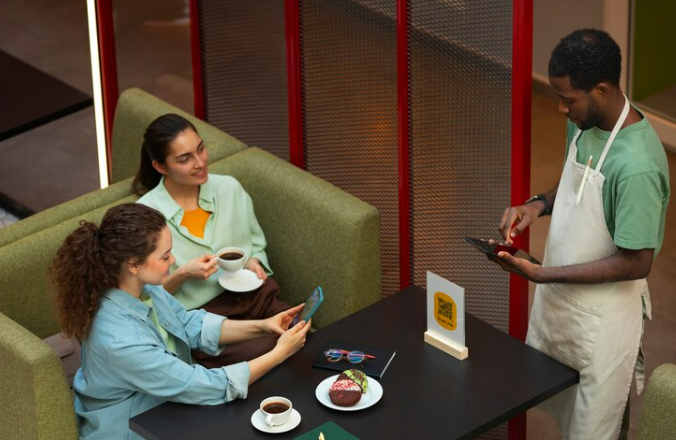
(195, 221)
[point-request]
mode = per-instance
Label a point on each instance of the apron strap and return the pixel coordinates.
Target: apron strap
(613, 134)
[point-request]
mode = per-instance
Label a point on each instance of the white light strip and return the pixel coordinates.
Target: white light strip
(97, 92)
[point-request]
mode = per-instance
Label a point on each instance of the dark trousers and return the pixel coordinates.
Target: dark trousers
(258, 304)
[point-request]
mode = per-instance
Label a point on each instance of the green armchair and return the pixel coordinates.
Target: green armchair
(658, 416)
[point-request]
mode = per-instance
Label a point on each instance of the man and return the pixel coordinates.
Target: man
(608, 214)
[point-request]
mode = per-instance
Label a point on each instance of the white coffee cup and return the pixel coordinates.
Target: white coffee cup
(227, 262)
(276, 410)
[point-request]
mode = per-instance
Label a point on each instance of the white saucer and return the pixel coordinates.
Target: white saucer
(373, 393)
(241, 281)
(258, 421)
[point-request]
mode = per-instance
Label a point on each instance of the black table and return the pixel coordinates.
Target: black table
(427, 393)
(30, 97)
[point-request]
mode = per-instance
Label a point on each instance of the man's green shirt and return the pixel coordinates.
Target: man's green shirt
(636, 189)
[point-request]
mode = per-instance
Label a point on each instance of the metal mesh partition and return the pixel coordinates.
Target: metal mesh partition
(350, 108)
(243, 52)
(460, 146)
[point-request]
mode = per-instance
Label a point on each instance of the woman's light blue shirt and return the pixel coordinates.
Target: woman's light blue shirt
(127, 369)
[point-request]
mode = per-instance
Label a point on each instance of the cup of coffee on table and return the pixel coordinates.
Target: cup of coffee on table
(231, 259)
(276, 410)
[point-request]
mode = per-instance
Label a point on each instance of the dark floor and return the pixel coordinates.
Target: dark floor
(57, 162)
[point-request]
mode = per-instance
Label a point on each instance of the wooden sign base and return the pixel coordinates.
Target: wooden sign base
(457, 351)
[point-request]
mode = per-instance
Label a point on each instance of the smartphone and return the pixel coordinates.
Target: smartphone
(311, 306)
(494, 248)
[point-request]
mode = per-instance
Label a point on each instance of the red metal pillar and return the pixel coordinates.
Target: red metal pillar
(403, 18)
(106, 36)
(195, 44)
(295, 87)
(522, 56)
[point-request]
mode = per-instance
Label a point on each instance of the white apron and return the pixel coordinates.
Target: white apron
(595, 329)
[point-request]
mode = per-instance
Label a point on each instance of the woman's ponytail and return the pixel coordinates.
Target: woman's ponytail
(80, 276)
(147, 177)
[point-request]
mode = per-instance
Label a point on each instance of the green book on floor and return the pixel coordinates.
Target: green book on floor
(330, 430)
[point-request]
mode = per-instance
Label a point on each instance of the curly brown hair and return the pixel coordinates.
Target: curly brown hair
(91, 259)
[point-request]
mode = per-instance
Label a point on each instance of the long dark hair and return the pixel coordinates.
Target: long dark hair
(156, 140)
(91, 259)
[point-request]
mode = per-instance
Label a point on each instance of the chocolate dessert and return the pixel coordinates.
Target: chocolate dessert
(345, 392)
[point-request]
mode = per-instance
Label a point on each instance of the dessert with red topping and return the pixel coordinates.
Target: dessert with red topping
(345, 392)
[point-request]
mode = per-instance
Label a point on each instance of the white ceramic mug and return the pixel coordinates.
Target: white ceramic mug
(271, 407)
(231, 265)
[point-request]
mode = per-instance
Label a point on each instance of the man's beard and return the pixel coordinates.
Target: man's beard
(594, 115)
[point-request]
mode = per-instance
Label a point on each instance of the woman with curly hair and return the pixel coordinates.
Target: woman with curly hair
(136, 338)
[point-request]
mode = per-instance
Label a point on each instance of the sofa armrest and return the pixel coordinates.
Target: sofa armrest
(135, 110)
(38, 403)
(658, 416)
(317, 234)
(65, 211)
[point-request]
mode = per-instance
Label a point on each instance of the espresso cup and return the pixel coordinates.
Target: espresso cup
(231, 259)
(276, 410)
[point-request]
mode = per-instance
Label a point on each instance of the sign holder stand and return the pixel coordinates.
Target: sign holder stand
(459, 352)
(446, 316)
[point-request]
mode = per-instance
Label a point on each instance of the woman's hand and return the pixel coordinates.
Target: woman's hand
(199, 268)
(279, 323)
(288, 344)
(254, 265)
(292, 340)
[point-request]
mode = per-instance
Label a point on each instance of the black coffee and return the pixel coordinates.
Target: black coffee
(230, 256)
(275, 407)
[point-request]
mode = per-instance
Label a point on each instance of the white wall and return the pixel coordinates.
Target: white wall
(553, 20)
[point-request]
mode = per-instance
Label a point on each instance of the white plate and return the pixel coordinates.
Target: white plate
(241, 281)
(258, 420)
(374, 392)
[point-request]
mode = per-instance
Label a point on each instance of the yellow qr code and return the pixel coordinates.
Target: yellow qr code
(445, 311)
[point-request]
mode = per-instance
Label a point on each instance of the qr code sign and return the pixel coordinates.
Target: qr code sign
(445, 311)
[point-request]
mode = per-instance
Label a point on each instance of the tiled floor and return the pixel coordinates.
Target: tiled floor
(58, 161)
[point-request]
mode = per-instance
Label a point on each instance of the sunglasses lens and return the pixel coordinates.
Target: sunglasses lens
(356, 357)
(333, 355)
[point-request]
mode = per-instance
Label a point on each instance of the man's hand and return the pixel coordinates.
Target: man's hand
(523, 214)
(254, 265)
(519, 266)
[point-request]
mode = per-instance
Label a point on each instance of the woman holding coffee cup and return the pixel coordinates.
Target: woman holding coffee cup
(205, 213)
(136, 338)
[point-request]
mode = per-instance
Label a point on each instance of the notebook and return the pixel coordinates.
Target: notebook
(330, 430)
(371, 367)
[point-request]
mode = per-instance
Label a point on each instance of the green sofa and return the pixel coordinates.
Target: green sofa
(317, 235)
(658, 415)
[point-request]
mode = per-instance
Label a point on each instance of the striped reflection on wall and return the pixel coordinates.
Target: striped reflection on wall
(243, 68)
(460, 146)
(350, 108)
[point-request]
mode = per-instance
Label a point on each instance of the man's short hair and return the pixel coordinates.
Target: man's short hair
(588, 57)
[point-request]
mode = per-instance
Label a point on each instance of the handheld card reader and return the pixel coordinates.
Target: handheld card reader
(493, 248)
